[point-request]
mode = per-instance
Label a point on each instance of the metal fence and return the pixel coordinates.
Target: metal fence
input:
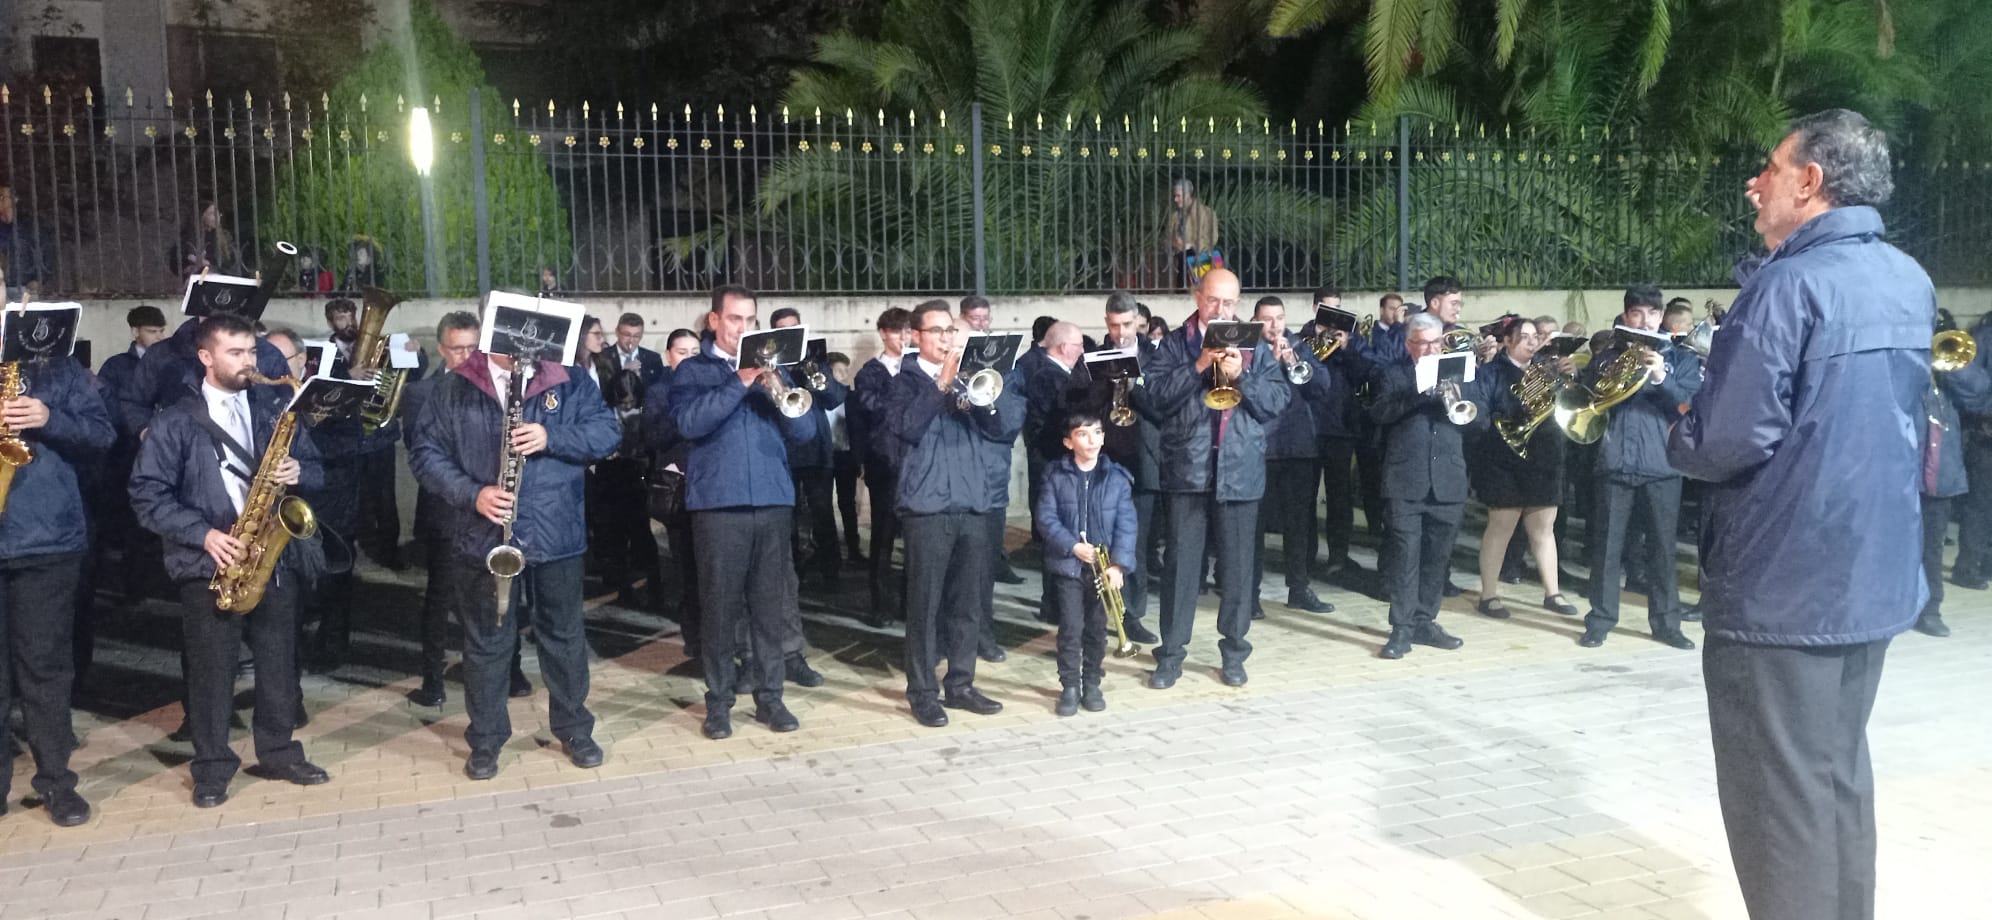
(120, 197)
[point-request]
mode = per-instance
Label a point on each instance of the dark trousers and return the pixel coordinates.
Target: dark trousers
(1147, 539)
(1369, 483)
(1974, 513)
(885, 530)
(35, 656)
(549, 593)
(1418, 544)
(1082, 630)
(1338, 489)
(1659, 502)
(1034, 465)
(1936, 522)
(380, 520)
(618, 516)
(844, 467)
(815, 523)
(439, 602)
(1288, 511)
(684, 559)
(745, 577)
(1789, 727)
(995, 522)
(947, 559)
(213, 642)
(1232, 526)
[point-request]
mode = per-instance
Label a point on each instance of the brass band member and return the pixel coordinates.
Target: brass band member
(459, 445)
(872, 388)
(436, 521)
(943, 497)
(1085, 504)
(1292, 464)
(1518, 489)
(189, 484)
(1213, 475)
(58, 415)
(619, 530)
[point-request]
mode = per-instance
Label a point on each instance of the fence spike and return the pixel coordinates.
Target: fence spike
(1265, 126)
(6, 95)
(169, 98)
(48, 98)
(850, 117)
(1237, 125)
(1480, 131)
(1372, 127)
(1010, 120)
(1581, 133)
(688, 112)
(1068, 121)
(653, 113)
(324, 100)
(90, 97)
(549, 108)
(584, 110)
(944, 118)
(1293, 126)
(819, 113)
(753, 114)
(722, 112)
(1507, 132)
(1040, 121)
(1455, 129)
(881, 118)
(1183, 124)
(912, 119)
(400, 104)
(1127, 123)
(785, 114)
(1154, 122)
(436, 105)
(1431, 129)
(128, 97)
(287, 102)
(619, 110)
(209, 94)
(1096, 121)
(363, 102)
(515, 106)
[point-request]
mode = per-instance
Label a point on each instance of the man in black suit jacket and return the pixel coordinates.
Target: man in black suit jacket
(1424, 487)
(1136, 447)
(629, 353)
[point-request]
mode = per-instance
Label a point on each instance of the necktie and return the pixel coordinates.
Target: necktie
(238, 423)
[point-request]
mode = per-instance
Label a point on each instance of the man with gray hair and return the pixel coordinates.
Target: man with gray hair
(1805, 431)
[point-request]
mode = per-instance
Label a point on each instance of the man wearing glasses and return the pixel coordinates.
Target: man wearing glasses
(942, 498)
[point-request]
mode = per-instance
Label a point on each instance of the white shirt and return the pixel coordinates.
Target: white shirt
(892, 363)
(501, 380)
(732, 361)
(933, 370)
(627, 360)
(231, 412)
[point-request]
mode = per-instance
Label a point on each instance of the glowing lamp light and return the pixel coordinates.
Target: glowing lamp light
(421, 141)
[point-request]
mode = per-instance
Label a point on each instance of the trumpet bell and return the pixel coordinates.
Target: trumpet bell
(984, 387)
(1457, 340)
(1462, 412)
(1222, 398)
(1299, 373)
(795, 402)
(1951, 350)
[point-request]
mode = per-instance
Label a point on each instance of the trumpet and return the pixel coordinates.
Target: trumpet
(1367, 326)
(1951, 350)
(1457, 340)
(793, 402)
(812, 375)
(979, 391)
(1122, 414)
(1459, 409)
(1111, 601)
(1298, 371)
(1222, 394)
(1702, 337)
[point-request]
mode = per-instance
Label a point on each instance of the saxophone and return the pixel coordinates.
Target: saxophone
(506, 561)
(14, 452)
(269, 520)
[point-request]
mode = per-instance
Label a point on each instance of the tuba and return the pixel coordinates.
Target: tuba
(1581, 410)
(269, 520)
(14, 452)
(506, 561)
(1537, 390)
(1110, 600)
(1950, 350)
(370, 357)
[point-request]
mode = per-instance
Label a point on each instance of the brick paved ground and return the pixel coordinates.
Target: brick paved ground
(1519, 777)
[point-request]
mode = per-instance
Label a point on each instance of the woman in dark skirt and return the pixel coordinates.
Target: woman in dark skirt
(1517, 489)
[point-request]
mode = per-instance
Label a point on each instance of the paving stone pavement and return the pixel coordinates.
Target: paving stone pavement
(1519, 777)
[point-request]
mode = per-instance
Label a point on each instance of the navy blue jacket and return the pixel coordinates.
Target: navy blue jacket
(650, 364)
(434, 517)
(871, 389)
(176, 484)
(171, 371)
(117, 374)
(1291, 434)
(1806, 431)
(1634, 448)
(738, 441)
(1967, 389)
(997, 455)
(1423, 451)
(1382, 346)
(456, 453)
(660, 429)
(1099, 503)
(1137, 447)
(814, 453)
(45, 503)
(943, 467)
(1175, 394)
(1045, 405)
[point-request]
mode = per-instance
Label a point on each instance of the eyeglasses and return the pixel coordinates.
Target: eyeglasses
(939, 330)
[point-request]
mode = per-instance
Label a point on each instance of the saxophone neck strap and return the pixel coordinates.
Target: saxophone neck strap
(225, 445)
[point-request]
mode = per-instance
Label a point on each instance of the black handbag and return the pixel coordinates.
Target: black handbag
(667, 498)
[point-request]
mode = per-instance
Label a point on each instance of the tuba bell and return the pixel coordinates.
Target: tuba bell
(370, 358)
(1951, 350)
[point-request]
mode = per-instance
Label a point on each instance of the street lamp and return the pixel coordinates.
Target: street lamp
(422, 153)
(421, 141)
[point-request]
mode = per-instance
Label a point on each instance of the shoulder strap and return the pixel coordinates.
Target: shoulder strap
(225, 444)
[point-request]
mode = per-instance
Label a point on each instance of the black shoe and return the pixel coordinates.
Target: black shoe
(431, 693)
(67, 809)
(1970, 581)
(855, 557)
(1559, 605)
(521, 687)
(183, 734)
(1305, 599)
(972, 700)
(798, 672)
(1691, 613)
(776, 716)
(206, 796)
(1165, 676)
(1398, 645)
(929, 713)
(1137, 632)
(1932, 625)
(1091, 699)
(1675, 638)
(1511, 578)
(301, 773)
(1492, 608)
(1068, 702)
(1233, 675)
(991, 652)
(1258, 612)
(300, 718)
(583, 752)
(1594, 636)
(1452, 590)
(718, 724)
(743, 684)
(481, 765)
(1008, 576)
(1434, 635)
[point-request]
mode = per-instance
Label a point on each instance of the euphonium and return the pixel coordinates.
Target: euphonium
(14, 452)
(794, 402)
(268, 521)
(1537, 390)
(1581, 411)
(1110, 600)
(370, 357)
(506, 561)
(1950, 350)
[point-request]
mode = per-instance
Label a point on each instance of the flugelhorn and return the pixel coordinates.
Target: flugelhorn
(1951, 350)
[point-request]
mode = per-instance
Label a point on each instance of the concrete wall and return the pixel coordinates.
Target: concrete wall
(847, 321)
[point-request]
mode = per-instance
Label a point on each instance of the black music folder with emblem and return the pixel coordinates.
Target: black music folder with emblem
(1336, 319)
(520, 325)
(995, 351)
(1221, 333)
(39, 331)
(208, 294)
(324, 399)
(1113, 364)
(771, 347)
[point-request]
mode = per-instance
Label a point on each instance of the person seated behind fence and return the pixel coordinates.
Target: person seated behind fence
(22, 256)
(1191, 226)
(1087, 501)
(207, 246)
(366, 264)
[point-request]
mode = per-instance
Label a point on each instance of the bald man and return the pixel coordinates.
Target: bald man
(1213, 474)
